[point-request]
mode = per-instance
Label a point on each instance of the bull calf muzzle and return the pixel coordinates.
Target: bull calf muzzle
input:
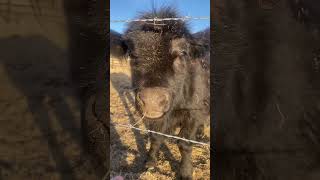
(153, 102)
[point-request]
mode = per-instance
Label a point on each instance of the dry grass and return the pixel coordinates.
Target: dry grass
(129, 147)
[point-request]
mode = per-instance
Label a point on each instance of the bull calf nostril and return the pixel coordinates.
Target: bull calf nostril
(163, 102)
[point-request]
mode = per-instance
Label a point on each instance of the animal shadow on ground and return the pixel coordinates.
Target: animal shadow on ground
(35, 66)
(138, 163)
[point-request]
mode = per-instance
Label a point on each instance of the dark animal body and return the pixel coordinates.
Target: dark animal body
(170, 74)
(89, 68)
(267, 101)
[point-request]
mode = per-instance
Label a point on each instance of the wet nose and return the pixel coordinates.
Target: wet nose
(154, 100)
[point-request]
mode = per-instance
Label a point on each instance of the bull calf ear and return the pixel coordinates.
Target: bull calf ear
(118, 46)
(124, 46)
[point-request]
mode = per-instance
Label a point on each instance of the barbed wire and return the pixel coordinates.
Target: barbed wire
(185, 18)
(162, 134)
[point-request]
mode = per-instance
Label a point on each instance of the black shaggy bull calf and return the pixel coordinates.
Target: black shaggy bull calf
(170, 74)
(89, 68)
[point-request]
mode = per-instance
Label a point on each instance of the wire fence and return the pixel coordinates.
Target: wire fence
(155, 19)
(162, 134)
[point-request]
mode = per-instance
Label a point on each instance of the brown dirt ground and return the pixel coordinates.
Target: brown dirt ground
(40, 115)
(129, 147)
